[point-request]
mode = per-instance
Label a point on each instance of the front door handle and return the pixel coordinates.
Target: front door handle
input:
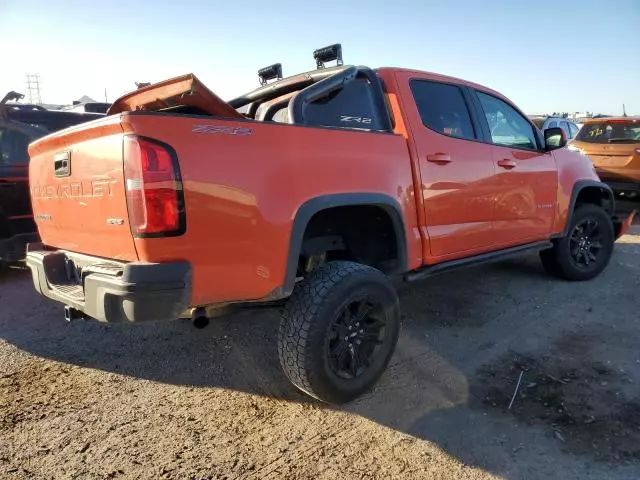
(506, 163)
(439, 158)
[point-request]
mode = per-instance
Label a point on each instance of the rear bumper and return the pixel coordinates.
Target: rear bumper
(13, 248)
(624, 186)
(110, 291)
(622, 181)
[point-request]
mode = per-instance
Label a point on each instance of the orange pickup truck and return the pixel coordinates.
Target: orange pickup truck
(324, 187)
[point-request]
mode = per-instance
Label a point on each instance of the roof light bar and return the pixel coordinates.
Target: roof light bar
(328, 54)
(270, 72)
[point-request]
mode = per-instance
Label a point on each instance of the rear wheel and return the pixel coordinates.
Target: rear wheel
(338, 331)
(585, 252)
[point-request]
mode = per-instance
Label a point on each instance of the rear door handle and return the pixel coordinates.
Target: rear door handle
(506, 163)
(439, 158)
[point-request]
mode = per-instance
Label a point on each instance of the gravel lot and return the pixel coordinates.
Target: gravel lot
(85, 401)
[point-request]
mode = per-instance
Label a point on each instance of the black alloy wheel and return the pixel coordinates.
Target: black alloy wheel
(586, 250)
(585, 242)
(355, 337)
(339, 330)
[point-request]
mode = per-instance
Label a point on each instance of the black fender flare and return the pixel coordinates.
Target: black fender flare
(579, 187)
(317, 204)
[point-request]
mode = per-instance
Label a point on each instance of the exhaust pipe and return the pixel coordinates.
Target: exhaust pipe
(71, 313)
(199, 318)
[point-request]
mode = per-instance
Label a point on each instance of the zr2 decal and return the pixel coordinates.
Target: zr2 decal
(221, 129)
(363, 120)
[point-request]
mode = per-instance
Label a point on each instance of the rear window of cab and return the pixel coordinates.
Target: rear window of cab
(613, 131)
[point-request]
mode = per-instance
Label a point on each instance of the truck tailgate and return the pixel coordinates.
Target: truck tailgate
(78, 191)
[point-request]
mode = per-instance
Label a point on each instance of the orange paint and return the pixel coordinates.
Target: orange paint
(244, 182)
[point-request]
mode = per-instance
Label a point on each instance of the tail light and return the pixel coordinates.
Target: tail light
(155, 198)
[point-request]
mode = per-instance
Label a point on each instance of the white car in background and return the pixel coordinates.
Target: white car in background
(570, 129)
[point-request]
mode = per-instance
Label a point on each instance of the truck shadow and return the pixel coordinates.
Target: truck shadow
(452, 325)
(238, 351)
(12, 272)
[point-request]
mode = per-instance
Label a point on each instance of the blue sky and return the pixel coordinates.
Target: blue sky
(545, 55)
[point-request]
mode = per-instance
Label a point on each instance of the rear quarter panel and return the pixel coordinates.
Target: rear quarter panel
(243, 190)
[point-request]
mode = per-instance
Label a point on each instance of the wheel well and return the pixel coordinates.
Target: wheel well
(597, 196)
(361, 233)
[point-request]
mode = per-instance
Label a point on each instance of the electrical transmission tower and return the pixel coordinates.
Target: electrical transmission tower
(33, 88)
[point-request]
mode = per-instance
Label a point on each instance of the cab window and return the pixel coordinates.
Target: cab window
(443, 108)
(349, 107)
(574, 130)
(507, 126)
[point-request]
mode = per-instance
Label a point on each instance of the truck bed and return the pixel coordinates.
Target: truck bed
(238, 224)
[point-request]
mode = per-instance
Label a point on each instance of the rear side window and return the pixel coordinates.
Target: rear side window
(350, 107)
(574, 130)
(507, 126)
(621, 131)
(538, 122)
(13, 147)
(442, 108)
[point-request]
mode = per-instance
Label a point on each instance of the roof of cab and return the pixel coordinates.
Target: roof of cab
(441, 78)
(437, 76)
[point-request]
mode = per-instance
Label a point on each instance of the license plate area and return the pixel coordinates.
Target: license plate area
(64, 275)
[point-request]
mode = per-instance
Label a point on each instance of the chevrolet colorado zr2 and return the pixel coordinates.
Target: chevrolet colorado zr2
(322, 188)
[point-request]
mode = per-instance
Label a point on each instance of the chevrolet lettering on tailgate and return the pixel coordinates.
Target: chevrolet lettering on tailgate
(81, 189)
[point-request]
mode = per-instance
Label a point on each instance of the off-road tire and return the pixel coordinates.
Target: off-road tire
(558, 260)
(316, 302)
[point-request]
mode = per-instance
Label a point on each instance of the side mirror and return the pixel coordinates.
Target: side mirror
(554, 138)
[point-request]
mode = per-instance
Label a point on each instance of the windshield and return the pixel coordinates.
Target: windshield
(621, 131)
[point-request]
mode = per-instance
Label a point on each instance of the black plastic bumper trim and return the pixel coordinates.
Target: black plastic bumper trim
(121, 293)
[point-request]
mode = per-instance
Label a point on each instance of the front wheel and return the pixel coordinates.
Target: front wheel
(585, 252)
(338, 331)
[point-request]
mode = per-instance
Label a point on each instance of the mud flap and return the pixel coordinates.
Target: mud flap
(622, 222)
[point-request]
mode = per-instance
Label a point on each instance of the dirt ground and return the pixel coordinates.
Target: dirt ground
(89, 401)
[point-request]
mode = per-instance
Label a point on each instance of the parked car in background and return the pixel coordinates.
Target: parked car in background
(88, 107)
(20, 125)
(569, 128)
(613, 145)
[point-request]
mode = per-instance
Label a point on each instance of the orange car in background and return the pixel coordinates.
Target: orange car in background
(613, 145)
